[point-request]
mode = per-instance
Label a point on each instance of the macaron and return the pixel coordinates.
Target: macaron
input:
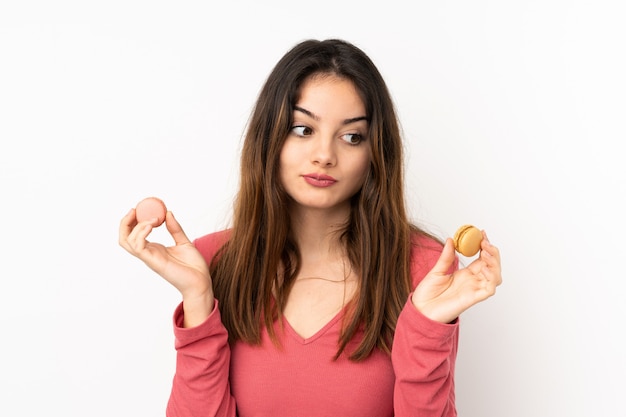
(467, 240)
(151, 208)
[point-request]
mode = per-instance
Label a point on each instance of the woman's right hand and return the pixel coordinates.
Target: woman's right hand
(181, 265)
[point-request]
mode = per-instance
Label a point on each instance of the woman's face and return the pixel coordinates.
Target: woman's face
(326, 156)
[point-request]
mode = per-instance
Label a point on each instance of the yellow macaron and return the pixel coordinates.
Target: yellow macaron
(467, 240)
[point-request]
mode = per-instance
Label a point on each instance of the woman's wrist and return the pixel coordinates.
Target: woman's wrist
(196, 308)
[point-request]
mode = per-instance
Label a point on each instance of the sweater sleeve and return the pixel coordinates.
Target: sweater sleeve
(424, 351)
(201, 383)
(423, 357)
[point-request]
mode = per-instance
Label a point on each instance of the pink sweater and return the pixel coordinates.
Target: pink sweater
(300, 378)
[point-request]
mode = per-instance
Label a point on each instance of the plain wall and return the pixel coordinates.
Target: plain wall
(513, 113)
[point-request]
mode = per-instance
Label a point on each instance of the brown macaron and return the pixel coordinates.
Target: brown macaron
(467, 240)
(151, 208)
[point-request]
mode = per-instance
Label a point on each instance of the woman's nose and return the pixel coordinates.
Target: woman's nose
(323, 152)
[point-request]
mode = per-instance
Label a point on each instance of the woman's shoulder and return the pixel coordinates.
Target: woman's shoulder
(209, 244)
(426, 240)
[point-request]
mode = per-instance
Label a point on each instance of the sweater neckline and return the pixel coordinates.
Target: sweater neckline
(321, 332)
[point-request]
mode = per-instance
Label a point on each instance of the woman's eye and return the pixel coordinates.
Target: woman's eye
(352, 138)
(301, 130)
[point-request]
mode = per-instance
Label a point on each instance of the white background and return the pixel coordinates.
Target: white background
(513, 113)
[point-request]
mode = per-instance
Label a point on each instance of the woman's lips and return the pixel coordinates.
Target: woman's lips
(319, 180)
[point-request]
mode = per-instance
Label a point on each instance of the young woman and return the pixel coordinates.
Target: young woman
(322, 299)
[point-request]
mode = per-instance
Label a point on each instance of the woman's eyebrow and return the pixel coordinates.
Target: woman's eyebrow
(316, 117)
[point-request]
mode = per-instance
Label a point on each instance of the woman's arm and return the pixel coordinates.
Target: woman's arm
(423, 357)
(426, 339)
(201, 384)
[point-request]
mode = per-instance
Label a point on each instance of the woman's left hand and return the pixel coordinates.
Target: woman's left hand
(442, 296)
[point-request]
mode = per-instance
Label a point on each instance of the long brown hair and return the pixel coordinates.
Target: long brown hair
(254, 270)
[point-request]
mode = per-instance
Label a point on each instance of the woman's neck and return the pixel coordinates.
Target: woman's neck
(316, 233)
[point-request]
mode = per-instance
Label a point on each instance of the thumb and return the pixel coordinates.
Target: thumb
(446, 259)
(175, 229)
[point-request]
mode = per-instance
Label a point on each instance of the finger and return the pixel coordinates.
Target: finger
(490, 256)
(175, 229)
(493, 277)
(446, 259)
(489, 253)
(493, 270)
(485, 244)
(137, 239)
(128, 222)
